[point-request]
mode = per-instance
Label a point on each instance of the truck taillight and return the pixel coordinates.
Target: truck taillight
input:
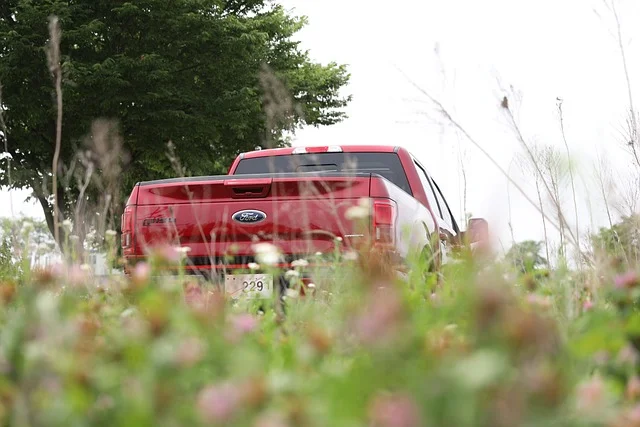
(126, 227)
(384, 221)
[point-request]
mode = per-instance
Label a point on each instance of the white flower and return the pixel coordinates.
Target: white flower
(291, 293)
(291, 273)
(338, 239)
(67, 224)
(311, 286)
(110, 233)
(74, 238)
(318, 253)
(300, 263)
(253, 266)
(361, 210)
(350, 255)
(183, 250)
(266, 253)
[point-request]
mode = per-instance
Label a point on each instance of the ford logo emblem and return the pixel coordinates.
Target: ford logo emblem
(249, 216)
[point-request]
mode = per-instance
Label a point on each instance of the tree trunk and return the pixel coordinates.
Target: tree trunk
(47, 209)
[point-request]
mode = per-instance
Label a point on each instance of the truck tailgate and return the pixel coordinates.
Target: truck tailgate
(224, 216)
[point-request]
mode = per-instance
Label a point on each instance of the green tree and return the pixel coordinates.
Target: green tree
(213, 77)
(525, 256)
(621, 241)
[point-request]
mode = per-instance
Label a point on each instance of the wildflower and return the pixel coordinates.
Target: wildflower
(7, 291)
(244, 323)
(357, 212)
(587, 305)
(74, 238)
(320, 340)
(47, 275)
(338, 239)
(631, 418)
(67, 224)
(266, 253)
(183, 250)
(311, 286)
(218, 403)
(628, 355)
(540, 301)
(434, 298)
(291, 293)
(291, 274)
(166, 253)
(141, 274)
(626, 280)
(77, 276)
(110, 233)
(350, 256)
(300, 263)
(254, 266)
(591, 394)
(189, 352)
(379, 319)
(633, 388)
(397, 410)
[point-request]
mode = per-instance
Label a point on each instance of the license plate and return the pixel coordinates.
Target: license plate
(249, 285)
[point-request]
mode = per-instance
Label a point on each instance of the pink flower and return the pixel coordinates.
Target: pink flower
(218, 403)
(189, 352)
(244, 323)
(628, 355)
(241, 324)
(588, 305)
(77, 276)
(398, 410)
(633, 388)
(591, 394)
(167, 253)
(539, 300)
(194, 296)
(141, 273)
(380, 318)
(632, 416)
(626, 280)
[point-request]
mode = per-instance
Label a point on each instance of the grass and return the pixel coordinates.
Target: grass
(488, 347)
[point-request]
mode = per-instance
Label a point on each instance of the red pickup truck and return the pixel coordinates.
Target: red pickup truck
(302, 200)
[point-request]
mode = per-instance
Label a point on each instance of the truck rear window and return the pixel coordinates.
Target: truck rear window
(385, 164)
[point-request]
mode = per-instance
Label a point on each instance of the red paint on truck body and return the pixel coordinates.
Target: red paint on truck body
(304, 210)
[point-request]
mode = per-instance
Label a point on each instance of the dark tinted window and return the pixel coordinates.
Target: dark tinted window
(428, 189)
(385, 164)
(446, 212)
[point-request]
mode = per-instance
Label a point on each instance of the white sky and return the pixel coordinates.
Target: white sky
(464, 52)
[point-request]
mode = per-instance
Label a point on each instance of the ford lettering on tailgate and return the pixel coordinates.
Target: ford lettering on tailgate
(249, 216)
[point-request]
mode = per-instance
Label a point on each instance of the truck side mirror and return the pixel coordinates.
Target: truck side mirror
(477, 230)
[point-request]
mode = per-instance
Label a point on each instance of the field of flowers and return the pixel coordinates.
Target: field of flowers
(363, 347)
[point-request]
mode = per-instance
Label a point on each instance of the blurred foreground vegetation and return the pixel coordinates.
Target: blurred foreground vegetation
(489, 346)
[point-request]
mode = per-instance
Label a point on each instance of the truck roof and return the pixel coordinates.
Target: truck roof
(286, 151)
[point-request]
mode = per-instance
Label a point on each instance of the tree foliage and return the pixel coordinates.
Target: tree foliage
(189, 72)
(621, 241)
(526, 256)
